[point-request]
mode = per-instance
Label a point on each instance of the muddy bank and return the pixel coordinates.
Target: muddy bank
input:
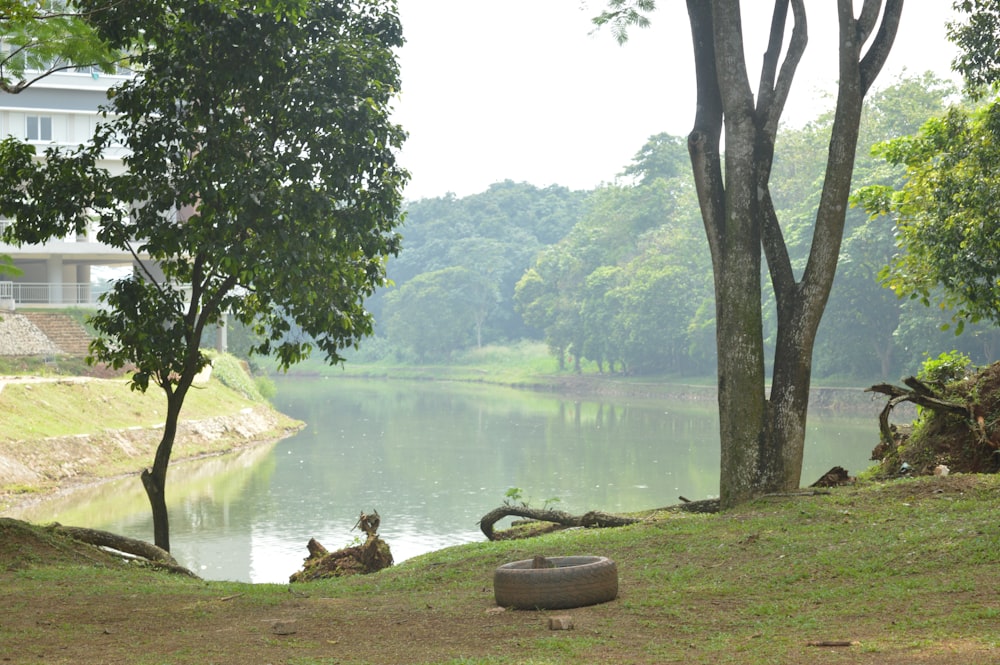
(33, 469)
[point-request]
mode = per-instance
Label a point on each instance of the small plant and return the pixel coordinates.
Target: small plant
(948, 367)
(548, 503)
(514, 495)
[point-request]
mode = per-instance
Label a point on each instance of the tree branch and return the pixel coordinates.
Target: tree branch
(704, 139)
(591, 519)
(796, 48)
(877, 54)
(139, 548)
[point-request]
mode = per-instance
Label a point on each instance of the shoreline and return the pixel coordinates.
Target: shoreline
(823, 400)
(80, 461)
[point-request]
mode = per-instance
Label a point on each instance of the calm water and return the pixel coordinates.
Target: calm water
(432, 458)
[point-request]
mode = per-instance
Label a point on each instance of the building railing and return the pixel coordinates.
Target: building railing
(32, 293)
(35, 294)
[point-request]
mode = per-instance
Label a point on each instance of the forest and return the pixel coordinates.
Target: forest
(619, 278)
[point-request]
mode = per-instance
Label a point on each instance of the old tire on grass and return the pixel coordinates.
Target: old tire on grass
(573, 581)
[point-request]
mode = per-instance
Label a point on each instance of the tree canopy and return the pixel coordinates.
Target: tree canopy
(261, 182)
(46, 37)
(946, 213)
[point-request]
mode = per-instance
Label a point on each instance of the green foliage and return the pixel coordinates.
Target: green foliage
(624, 14)
(514, 495)
(436, 312)
(49, 37)
(618, 279)
(944, 214)
(978, 40)
(271, 233)
(663, 156)
(622, 286)
(266, 386)
(494, 236)
(948, 367)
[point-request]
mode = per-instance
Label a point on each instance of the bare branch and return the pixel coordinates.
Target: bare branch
(877, 54)
(796, 48)
(869, 15)
(765, 91)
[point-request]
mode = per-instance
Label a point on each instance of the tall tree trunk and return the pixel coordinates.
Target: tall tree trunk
(763, 437)
(154, 480)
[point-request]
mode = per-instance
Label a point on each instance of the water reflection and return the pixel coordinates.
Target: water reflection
(432, 458)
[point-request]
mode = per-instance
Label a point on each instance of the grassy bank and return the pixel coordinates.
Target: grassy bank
(59, 430)
(903, 572)
(529, 365)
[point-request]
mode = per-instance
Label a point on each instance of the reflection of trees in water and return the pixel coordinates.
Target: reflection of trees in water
(123, 500)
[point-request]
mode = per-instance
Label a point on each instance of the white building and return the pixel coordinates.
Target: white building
(61, 110)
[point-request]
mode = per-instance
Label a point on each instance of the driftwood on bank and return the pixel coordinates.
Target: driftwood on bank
(154, 555)
(370, 557)
(919, 393)
(591, 519)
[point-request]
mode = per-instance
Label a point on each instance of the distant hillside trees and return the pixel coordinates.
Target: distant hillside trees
(454, 279)
(623, 285)
(619, 279)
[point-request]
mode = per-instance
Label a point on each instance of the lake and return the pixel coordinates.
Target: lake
(432, 458)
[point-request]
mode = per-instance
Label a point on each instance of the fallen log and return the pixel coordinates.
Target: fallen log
(589, 520)
(156, 556)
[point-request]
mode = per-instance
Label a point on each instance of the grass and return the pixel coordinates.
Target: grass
(67, 407)
(57, 428)
(906, 569)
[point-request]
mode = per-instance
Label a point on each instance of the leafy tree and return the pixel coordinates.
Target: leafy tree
(946, 213)
(261, 181)
(496, 233)
(600, 316)
(663, 156)
(47, 37)
(547, 297)
(945, 218)
(763, 435)
(437, 312)
(978, 40)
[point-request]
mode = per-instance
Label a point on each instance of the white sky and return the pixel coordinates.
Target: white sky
(526, 90)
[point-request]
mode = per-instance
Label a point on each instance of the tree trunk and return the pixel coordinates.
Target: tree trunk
(883, 349)
(154, 480)
(763, 437)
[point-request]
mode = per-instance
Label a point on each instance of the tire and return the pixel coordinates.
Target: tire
(574, 581)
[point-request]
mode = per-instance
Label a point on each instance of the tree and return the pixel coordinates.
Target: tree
(437, 312)
(978, 40)
(763, 435)
(859, 329)
(48, 37)
(663, 156)
(945, 213)
(261, 180)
